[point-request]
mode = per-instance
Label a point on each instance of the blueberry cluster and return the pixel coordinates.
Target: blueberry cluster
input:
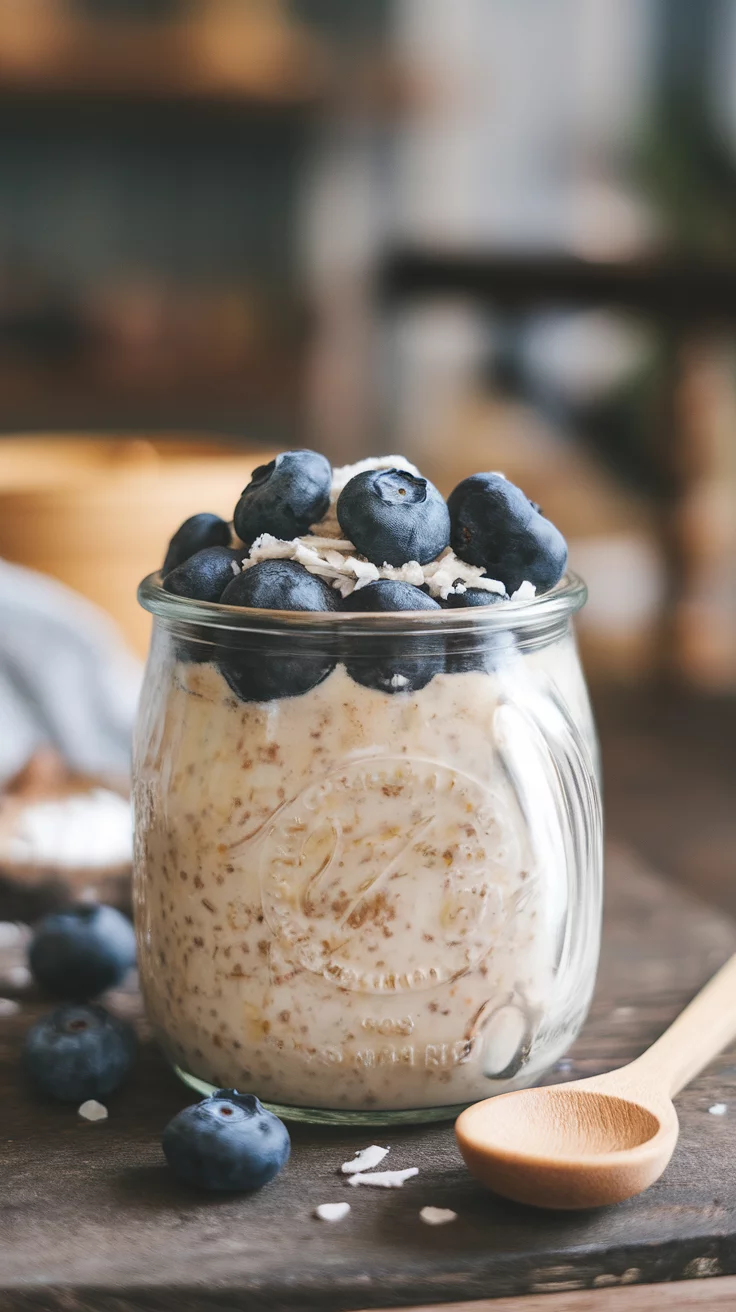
(80, 1051)
(391, 517)
(227, 1142)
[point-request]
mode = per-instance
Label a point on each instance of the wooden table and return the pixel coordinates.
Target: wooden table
(90, 1217)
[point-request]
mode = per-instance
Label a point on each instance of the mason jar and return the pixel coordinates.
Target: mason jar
(367, 874)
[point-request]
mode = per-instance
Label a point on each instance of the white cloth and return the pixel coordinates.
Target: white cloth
(66, 677)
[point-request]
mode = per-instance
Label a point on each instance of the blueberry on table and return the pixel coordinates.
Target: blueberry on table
(196, 533)
(206, 574)
(262, 667)
(79, 1052)
(392, 517)
(285, 497)
(494, 525)
(81, 951)
(390, 663)
(228, 1143)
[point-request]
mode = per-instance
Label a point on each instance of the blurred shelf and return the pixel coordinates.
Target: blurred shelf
(680, 291)
(234, 54)
(88, 390)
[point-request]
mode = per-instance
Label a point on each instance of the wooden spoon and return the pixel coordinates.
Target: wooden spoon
(600, 1140)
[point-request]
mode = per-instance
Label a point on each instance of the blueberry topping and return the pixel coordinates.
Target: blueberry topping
(494, 525)
(280, 585)
(81, 951)
(476, 650)
(486, 652)
(79, 1052)
(206, 574)
(474, 597)
(285, 497)
(262, 667)
(196, 533)
(384, 661)
(228, 1143)
(392, 517)
(388, 595)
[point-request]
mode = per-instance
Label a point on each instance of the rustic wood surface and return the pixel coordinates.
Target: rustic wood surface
(90, 1217)
(684, 1296)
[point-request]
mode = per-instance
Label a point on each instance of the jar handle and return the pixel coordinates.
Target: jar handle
(552, 771)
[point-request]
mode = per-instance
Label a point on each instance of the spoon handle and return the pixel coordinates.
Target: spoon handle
(700, 1032)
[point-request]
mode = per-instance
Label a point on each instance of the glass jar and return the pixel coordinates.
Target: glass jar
(368, 851)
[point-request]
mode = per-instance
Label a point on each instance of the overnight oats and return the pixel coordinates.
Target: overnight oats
(368, 847)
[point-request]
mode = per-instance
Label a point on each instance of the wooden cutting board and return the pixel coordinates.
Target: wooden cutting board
(90, 1217)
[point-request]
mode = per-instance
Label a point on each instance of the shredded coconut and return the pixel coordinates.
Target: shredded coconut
(334, 560)
(93, 1110)
(332, 1211)
(718, 1109)
(85, 829)
(525, 592)
(437, 1215)
(365, 1160)
(385, 1179)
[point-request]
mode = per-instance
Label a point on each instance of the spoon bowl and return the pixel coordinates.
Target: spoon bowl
(597, 1141)
(568, 1146)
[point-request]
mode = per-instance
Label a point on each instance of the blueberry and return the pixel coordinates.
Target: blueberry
(386, 662)
(474, 597)
(496, 526)
(206, 574)
(263, 667)
(284, 497)
(79, 1052)
(196, 533)
(478, 651)
(228, 1143)
(81, 951)
(392, 517)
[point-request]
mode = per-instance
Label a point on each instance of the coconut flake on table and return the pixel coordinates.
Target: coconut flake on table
(437, 1215)
(332, 1211)
(365, 1159)
(384, 1179)
(92, 1110)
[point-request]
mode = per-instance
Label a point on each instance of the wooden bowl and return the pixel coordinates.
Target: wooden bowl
(97, 512)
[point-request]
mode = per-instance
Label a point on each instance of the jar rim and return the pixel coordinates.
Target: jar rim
(559, 603)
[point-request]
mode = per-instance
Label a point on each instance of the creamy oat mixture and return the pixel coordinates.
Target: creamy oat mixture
(342, 902)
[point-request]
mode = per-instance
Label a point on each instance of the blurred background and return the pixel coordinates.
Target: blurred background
(491, 234)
